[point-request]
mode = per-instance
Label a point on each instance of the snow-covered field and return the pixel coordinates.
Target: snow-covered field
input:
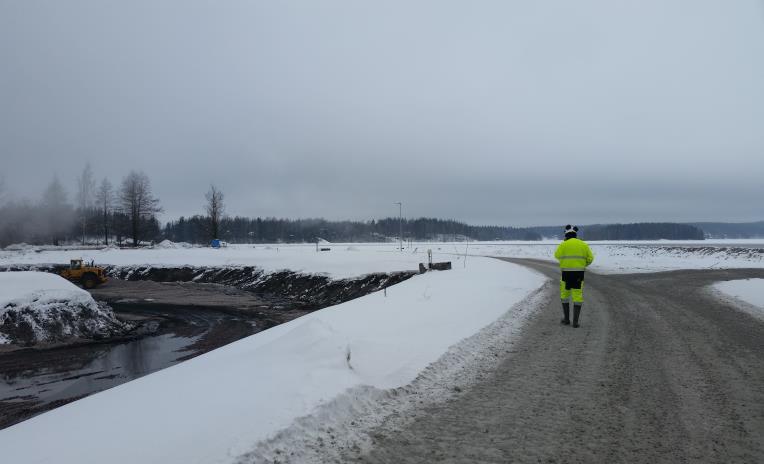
(355, 259)
(749, 291)
(41, 307)
(217, 407)
(343, 261)
(631, 257)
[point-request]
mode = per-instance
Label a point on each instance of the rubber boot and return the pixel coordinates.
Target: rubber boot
(566, 313)
(576, 314)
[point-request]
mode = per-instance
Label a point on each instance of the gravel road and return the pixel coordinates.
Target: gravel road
(659, 372)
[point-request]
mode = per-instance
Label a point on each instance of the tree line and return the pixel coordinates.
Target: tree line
(642, 231)
(198, 229)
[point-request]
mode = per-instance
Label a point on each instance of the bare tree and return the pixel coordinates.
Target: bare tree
(137, 202)
(104, 203)
(215, 209)
(85, 194)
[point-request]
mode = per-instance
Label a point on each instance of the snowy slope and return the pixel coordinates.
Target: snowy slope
(750, 291)
(218, 406)
(41, 307)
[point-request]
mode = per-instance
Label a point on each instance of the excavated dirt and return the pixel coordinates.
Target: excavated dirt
(659, 372)
(310, 291)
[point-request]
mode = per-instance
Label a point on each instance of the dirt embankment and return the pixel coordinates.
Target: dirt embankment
(309, 291)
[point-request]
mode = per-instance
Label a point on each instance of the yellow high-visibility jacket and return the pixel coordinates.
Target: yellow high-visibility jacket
(574, 255)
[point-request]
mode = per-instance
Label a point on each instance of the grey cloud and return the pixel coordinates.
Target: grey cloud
(497, 112)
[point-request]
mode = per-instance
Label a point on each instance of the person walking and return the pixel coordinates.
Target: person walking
(574, 255)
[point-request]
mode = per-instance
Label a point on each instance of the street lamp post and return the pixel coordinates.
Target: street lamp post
(400, 224)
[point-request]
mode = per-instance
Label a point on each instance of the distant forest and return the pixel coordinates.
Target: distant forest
(642, 231)
(636, 231)
(196, 229)
(732, 230)
(246, 230)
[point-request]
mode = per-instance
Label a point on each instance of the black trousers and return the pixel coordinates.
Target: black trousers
(572, 285)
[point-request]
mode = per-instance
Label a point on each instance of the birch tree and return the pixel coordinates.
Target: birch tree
(215, 209)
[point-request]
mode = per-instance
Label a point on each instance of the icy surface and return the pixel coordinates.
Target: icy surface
(750, 291)
(219, 406)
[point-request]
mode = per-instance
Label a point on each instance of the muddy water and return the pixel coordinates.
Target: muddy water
(33, 381)
(92, 369)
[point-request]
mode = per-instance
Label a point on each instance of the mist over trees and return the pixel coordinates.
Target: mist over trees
(97, 216)
(56, 213)
(104, 206)
(85, 198)
(101, 214)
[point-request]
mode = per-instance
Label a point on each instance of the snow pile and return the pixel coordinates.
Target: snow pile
(169, 244)
(38, 307)
(750, 291)
(20, 247)
(219, 406)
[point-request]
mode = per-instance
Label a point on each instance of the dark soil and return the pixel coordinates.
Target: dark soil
(310, 291)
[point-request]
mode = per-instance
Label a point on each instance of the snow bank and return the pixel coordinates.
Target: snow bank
(41, 307)
(750, 291)
(218, 406)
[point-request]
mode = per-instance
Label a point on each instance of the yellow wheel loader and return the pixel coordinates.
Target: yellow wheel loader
(87, 275)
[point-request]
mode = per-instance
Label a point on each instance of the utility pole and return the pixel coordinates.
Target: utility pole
(400, 223)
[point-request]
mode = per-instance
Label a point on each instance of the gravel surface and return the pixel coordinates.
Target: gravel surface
(189, 294)
(659, 372)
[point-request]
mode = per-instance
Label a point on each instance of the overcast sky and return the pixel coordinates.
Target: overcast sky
(500, 112)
